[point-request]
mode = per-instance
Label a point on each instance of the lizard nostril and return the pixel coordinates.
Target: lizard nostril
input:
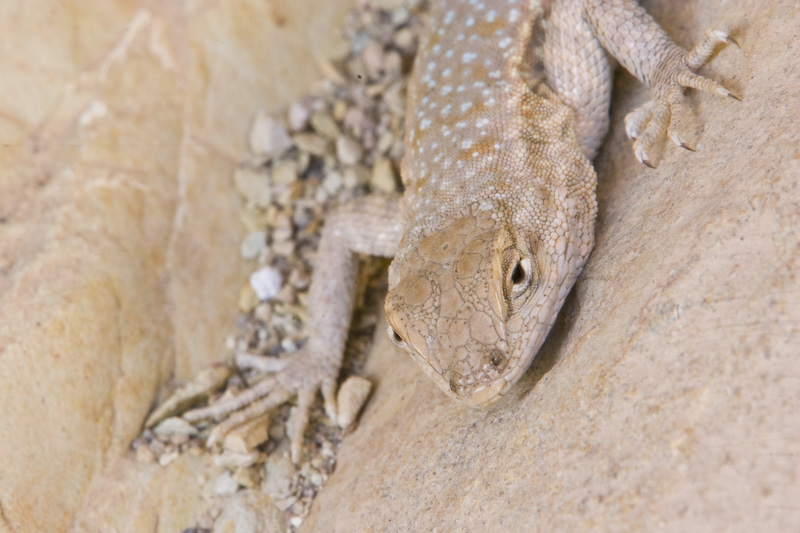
(454, 385)
(497, 358)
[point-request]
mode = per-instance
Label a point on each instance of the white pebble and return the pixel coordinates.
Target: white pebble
(173, 426)
(297, 117)
(332, 182)
(253, 244)
(268, 137)
(266, 282)
(348, 150)
(351, 397)
(383, 178)
(225, 485)
(253, 185)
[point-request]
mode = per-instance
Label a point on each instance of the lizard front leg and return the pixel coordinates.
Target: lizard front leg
(369, 225)
(634, 39)
(647, 52)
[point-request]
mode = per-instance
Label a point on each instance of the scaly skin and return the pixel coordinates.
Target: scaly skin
(497, 218)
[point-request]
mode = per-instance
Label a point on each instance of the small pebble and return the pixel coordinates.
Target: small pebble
(225, 484)
(266, 282)
(297, 117)
(279, 475)
(312, 143)
(374, 60)
(268, 136)
(253, 185)
(325, 125)
(284, 172)
(348, 151)
(339, 110)
(231, 459)
(169, 456)
(248, 299)
(173, 426)
(253, 244)
(332, 182)
(404, 39)
(247, 478)
(383, 177)
(351, 397)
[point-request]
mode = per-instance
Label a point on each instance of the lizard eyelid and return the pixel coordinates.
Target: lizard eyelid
(395, 337)
(520, 277)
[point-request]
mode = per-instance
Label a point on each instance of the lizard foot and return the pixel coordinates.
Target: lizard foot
(300, 376)
(667, 111)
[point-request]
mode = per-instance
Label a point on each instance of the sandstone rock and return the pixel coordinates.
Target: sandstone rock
(119, 233)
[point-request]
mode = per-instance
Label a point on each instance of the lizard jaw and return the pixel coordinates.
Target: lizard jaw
(486, 394)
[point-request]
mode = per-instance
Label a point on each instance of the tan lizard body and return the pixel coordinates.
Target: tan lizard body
(497, 218)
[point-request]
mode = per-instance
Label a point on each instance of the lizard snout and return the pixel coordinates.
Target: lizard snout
(483, 384)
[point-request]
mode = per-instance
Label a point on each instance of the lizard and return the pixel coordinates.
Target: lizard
(507, 105)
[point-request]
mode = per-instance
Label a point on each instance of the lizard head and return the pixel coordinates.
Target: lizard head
(473, 302)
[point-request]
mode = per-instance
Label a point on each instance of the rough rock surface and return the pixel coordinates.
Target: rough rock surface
(666, 398)
(121, 124)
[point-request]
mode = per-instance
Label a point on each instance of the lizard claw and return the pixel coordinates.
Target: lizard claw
(666, 113)
(300, 376)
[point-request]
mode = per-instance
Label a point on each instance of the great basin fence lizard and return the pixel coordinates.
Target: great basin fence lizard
(507, 105)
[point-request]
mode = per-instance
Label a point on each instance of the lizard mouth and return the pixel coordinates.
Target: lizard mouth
(484, 394)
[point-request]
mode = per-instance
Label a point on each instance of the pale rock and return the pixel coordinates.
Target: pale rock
(348, 151)
(266, 283)
(339, 110)
(253, 244)
(247, 477)
(225, 484)
(231, 459)
(246, 437)
(383, 176)
(253, 185)
(173, 426)
(279, 474)
(168, 457)
(297, 117)
(332, 182)
(393, 65)
(350, 398)
(268, 136)
(248, 298)
(284, 172)
(404, 39)
(374, 60)
(325, 125)
(312, 143)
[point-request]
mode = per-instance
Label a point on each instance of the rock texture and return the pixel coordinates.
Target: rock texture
(666, 398)
(121, 123)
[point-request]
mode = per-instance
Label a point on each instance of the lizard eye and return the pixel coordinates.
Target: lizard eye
(396, 338)
(520, 276)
